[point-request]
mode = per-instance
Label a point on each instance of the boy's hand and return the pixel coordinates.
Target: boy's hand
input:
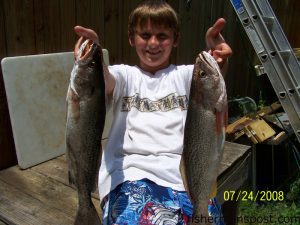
(216, 44)
(87, 33)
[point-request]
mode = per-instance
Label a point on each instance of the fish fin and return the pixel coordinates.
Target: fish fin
(220, 121)
(213, 190)
(226, 116)
(72, 180)
(73, 105)
(87, 216)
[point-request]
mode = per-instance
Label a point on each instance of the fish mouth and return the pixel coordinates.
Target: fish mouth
(83, 49)
(204, 58)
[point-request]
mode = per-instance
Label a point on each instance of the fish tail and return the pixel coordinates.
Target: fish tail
(87, 216)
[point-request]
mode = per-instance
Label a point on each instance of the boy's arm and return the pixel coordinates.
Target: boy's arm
(110, 81)
(217, 46)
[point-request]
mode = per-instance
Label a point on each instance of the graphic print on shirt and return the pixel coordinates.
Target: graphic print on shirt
(164, 104)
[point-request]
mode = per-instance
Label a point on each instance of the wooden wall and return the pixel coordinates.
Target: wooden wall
(46, 26)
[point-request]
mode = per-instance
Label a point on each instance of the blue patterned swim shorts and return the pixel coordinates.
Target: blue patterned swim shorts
(143, 202)
(215, 211)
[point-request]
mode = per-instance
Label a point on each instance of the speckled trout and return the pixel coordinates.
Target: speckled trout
(85, 122)
(204, 134)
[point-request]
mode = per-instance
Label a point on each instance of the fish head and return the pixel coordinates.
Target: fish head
(208, 83)
(88, 68)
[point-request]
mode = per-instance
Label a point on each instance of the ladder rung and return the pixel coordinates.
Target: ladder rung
(275, 53)
(269, 21)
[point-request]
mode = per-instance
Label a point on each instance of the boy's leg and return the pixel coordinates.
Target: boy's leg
(215, 211)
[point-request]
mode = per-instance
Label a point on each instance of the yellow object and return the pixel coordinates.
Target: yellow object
(250, 134)
(260, 130)
(238, 125)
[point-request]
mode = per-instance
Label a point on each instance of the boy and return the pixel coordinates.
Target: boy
(139, 178)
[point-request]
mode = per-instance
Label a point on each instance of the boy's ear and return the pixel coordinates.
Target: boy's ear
(131, 39)
(176, 39)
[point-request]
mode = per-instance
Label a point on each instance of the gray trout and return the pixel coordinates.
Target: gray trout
(204, 134)
(85, 122)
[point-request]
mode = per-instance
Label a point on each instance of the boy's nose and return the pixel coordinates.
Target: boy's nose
(153, 40)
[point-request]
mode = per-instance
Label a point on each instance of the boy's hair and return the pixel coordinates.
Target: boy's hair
(158, 12)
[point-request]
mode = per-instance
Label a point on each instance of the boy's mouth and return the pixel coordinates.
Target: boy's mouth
(153, 52)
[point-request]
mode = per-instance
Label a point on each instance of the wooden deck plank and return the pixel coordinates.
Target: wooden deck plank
(17, 207)
(232, 153)
(57, 169)
(35, 189)
(39, 187)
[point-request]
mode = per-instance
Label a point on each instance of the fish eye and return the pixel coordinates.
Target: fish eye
(202, 74)
(92, 64)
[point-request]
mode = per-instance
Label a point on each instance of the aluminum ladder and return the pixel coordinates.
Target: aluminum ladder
(275, 54)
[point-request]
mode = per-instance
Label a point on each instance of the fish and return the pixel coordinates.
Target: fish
(204, 133)
(84, 126)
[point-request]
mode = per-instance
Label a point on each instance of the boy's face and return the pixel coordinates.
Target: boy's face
(153, 45)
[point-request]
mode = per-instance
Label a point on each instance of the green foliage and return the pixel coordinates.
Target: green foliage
(261, 102)
(294, 194)
(280, 212)
(270, 213)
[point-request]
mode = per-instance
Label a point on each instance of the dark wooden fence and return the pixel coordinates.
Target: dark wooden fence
(46, 26)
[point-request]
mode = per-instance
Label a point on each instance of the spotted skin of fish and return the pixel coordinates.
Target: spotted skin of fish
(85, 122)
(204, 134)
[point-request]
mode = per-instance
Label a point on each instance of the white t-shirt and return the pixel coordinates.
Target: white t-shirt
(146, 137)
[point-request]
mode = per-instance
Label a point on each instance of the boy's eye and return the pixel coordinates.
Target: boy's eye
(145, 35)
(162, 36)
